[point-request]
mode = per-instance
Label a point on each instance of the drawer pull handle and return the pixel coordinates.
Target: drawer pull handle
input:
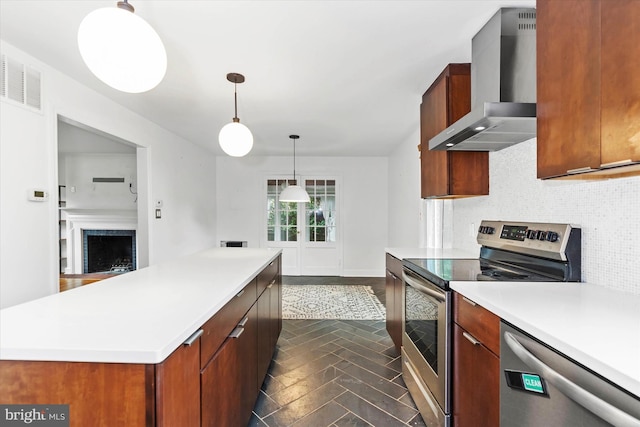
(580, 170)
(243, 321)
(273, 282)
(236, 333)
(471, 339)
(189, 342)
(469, 301)
(239, 294)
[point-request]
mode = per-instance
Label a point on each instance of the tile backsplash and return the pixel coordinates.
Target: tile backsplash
(608, 212)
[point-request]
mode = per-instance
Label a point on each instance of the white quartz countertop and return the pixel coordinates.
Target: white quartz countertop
(596, 326)
(138, 317)
(439, 253)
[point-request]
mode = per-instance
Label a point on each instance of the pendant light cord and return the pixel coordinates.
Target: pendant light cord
(235, 101)
(293, 138)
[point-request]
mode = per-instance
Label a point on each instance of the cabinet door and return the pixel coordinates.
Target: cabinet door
(276, 312)
(449, 173)
(178, 387)
(228, 382)
(264, 338)
(620, 81)
(221, 388)
(433, 119)
(248, 364)
(476, 379)
(568, 86)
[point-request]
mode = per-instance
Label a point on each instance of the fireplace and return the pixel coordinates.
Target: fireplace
(111, 251)
(82, 223)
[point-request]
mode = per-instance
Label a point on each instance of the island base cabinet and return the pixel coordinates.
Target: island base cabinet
(228, 381)
(269, 322)
(111, 394)
(212, 380)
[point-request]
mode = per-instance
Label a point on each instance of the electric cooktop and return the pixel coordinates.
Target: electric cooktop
(442, 271)
(511, 251)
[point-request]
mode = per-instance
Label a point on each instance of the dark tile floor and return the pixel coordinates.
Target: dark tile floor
(335, 373)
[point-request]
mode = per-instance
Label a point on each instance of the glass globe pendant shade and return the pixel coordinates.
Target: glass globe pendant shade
(235, 139)
(294, 193)
(122, 50)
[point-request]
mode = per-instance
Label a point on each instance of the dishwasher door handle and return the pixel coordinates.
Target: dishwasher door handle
(592, 403)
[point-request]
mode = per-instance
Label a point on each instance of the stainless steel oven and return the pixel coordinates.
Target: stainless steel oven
(426, 347)
(511, 251)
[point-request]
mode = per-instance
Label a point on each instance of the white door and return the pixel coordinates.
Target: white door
(307, 233)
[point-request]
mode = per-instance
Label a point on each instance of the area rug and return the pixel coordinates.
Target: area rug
(344, 302)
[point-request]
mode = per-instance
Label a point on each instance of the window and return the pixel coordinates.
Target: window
(282, 217)
(321, 210)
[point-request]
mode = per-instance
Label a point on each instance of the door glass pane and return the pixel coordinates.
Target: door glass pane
(320, 211)
(282, 217)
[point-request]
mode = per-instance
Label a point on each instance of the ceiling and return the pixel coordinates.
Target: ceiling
(347, 76)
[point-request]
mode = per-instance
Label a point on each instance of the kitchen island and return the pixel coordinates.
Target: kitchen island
(161, 345)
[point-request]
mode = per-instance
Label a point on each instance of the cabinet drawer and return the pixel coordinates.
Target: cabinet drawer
(224, 321)
(478, 321)
(267, 275)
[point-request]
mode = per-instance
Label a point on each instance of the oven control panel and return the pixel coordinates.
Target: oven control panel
(549, 240)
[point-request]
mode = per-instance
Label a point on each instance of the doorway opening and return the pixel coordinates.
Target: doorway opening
(98, 203)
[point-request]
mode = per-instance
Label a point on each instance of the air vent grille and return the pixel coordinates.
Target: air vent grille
(21, 83)
(527, 21)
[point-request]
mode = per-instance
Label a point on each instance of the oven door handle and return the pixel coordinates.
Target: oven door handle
(415, 283)
(582, 397)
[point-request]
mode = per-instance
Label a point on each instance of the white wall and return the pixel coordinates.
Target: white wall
(363, 215)
(405, 205)
(83, 193)
(176, 171)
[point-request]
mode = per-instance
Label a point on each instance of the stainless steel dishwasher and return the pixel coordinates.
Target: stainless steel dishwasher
(541, 387)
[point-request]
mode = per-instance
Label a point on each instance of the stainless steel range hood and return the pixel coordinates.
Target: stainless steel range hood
(503, 86)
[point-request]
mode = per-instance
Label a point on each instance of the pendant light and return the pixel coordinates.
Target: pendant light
(122, 49)
(235, 138)
(294, 193)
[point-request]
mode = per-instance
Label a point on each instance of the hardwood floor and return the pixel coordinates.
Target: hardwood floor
(70, 281)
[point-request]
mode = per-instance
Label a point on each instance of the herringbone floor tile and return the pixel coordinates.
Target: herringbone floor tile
(335, 373)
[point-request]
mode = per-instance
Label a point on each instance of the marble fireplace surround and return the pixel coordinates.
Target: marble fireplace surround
(92, 219)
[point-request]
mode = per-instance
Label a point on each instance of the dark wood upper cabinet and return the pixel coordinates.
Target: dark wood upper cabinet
(449, 174)
(588, 90)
